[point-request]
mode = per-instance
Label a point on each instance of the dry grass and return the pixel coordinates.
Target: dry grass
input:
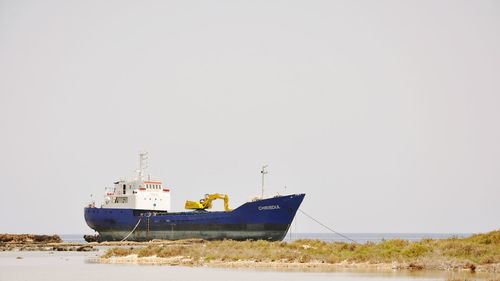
(480, 249)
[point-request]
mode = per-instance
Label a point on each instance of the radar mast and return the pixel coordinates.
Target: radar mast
(263, 172)
(143, 157)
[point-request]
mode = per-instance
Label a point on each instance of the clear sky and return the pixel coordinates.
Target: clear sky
(385, 113)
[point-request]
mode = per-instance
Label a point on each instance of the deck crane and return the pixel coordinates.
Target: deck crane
(206, 203)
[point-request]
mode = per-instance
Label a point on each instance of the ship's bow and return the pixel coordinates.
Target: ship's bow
(270, 218)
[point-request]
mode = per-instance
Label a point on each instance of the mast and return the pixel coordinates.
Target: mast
(263, 172)
(143, 156)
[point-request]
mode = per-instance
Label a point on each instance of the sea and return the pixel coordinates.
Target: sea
(82, 266)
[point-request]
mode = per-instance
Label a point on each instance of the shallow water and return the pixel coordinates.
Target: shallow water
(77, 266)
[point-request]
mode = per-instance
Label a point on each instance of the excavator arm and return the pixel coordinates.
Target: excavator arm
(206, 203)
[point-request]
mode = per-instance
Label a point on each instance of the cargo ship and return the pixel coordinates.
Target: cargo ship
(139, 210)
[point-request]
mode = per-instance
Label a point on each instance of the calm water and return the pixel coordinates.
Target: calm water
(359, 237)
(64, 266)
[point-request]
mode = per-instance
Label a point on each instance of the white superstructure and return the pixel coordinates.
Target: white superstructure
(138, 193)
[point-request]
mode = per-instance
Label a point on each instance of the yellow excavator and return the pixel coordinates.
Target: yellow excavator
(206, 203)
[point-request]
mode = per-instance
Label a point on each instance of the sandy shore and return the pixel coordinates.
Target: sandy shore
(306, 266)
(73, 246)
(59, 247)
(32, 242)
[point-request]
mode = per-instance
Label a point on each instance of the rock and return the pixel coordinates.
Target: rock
(415, 266)
(91, 238)
(470, 266)
(85, 248)
(29, 238)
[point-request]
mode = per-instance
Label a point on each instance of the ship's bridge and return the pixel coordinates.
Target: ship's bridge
(138, 193)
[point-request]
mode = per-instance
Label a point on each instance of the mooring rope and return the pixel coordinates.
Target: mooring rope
(340, 234)
(132, 230)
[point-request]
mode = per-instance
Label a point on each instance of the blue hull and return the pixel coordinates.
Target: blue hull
(267, 219)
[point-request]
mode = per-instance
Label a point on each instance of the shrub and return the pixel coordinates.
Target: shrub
(479, 249)
(117, 252)
(415, 250)
(148, 251)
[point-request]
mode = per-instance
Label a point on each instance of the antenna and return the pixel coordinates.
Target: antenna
(143, 156)
(92, 202)
(263, 172)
